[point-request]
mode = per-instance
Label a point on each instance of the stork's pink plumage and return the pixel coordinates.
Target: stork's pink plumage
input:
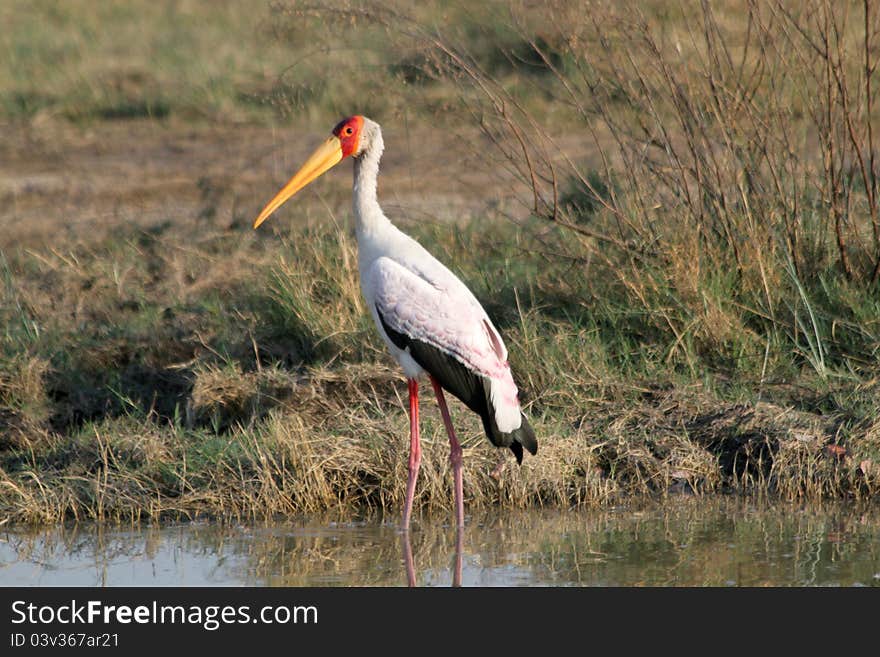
(430, 321)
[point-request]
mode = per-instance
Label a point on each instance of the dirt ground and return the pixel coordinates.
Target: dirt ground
(82, 181)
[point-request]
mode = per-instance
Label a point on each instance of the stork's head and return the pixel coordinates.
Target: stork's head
(353, 137)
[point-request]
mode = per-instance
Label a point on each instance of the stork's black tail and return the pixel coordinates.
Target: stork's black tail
(516, 440)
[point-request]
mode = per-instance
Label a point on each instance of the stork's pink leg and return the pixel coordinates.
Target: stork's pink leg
(459, 549)
(415, 451)
(454, 454)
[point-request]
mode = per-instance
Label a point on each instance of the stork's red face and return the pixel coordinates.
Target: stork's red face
(349, 133)
(344, 141)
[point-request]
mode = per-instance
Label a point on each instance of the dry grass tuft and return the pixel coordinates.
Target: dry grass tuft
(24, 402)
(221, 392)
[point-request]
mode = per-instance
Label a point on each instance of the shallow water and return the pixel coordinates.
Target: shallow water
(688, 542)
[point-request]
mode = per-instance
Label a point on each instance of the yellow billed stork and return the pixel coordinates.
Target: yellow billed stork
(429, 319)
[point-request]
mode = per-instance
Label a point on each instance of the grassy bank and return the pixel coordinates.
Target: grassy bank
(261, 388)
(679, 243)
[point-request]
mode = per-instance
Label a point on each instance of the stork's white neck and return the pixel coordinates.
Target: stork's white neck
(367, 212)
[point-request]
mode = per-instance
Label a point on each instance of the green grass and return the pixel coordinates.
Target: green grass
(91, 62)
(236, 62)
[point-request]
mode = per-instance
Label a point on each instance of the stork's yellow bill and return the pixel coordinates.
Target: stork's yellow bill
(342, 143)
(327, 155)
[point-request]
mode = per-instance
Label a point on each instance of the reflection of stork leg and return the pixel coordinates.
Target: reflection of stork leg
(459, 545)
(454, 454)
(408, 559)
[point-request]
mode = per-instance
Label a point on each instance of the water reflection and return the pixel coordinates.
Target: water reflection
(689, 542)
(409, 563)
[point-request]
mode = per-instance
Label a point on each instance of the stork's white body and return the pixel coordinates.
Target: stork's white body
(419, 296)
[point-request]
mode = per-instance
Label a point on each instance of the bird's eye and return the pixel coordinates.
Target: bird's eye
(348, 130)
